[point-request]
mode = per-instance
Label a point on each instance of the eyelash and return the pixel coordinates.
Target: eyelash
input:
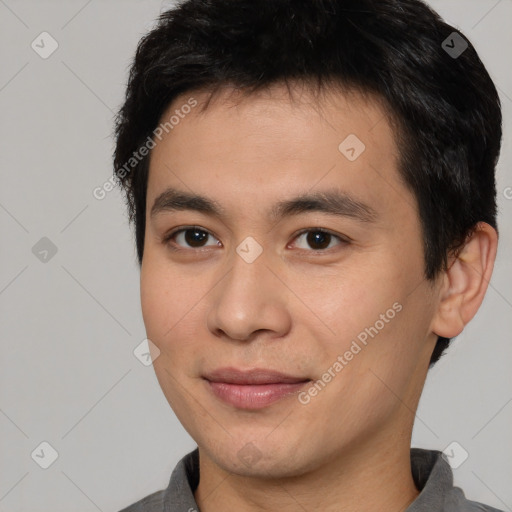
(167, 239)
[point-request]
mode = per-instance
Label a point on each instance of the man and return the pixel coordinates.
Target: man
(312, 189)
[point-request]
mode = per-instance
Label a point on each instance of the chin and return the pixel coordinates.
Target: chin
(266, 458)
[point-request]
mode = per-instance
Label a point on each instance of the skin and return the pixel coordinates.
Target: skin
(294, 309)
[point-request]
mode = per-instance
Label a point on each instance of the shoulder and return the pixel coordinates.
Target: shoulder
(456, 501)
(151, 503)
(433, 477)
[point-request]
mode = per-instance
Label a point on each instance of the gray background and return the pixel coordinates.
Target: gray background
(68, 375)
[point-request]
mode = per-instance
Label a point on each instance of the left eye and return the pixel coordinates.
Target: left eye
(319, 239)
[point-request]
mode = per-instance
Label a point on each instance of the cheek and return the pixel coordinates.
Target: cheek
(351, 300)
(376, 312)
(172, 312)
(162, 305)
(152, 298)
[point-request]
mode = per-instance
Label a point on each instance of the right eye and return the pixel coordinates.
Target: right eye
(192, 235)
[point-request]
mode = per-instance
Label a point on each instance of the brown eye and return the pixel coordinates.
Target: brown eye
(192, 237)
(195, 237)
(319, 239)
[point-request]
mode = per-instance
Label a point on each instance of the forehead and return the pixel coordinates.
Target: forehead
(294, 108)
(274, 142)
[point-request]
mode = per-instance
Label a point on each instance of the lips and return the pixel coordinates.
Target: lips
(252, 389)
(255, 376)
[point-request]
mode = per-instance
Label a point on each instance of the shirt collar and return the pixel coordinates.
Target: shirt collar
(433, 477)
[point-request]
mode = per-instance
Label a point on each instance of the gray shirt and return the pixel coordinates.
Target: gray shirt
(432, 475)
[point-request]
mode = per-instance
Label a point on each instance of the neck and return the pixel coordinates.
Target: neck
(367, 477)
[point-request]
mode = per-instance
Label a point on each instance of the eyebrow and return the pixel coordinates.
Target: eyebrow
(331, 202)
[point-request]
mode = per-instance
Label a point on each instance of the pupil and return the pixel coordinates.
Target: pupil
(197, 236)
(318, 237)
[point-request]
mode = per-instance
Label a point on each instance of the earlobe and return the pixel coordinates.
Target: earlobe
(465, 282)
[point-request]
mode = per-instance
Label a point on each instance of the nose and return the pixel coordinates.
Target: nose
(250, 299)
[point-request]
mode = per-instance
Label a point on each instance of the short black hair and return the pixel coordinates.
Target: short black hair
(428, 74)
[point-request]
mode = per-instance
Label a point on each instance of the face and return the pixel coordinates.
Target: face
(328, 292)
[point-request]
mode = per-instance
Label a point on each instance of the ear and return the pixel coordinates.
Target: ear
(465, 282)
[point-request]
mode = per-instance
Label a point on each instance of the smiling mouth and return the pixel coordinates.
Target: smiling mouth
(252, 389)
(254, 396)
